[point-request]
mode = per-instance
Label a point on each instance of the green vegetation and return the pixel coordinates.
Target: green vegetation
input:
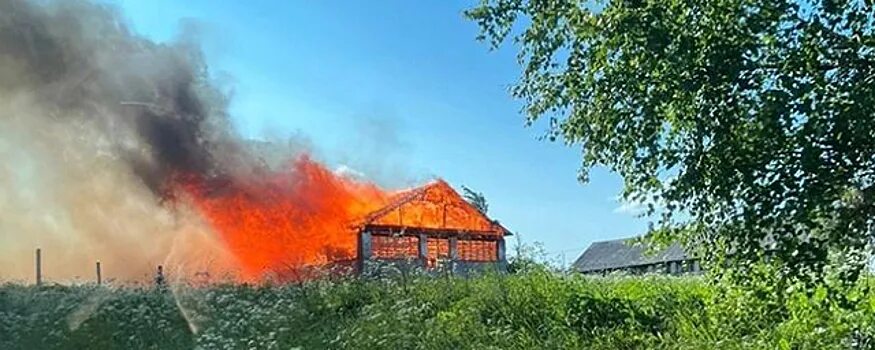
(535, 309)
(477, 199)
(745, 126)
(738, 120)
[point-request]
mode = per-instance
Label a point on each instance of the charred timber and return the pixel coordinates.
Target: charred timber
(393, 230)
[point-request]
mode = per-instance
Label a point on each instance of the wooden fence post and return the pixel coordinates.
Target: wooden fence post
(98, 272)
(159, 278)
(39, 267)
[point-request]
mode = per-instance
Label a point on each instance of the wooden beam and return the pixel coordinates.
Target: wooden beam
(423, 249)
(434, 232)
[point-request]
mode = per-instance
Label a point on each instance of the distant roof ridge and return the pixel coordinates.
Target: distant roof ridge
(623, 239)
(618, 253)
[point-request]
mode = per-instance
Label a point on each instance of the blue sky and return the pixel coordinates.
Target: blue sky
(401, 91)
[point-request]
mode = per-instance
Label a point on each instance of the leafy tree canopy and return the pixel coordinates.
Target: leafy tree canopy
(748, 122)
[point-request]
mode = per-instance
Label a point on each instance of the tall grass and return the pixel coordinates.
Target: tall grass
(531, 310)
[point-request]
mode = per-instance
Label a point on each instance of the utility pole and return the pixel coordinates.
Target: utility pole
(98, 272)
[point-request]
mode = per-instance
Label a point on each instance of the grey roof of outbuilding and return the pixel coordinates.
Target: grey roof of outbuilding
(621, 253)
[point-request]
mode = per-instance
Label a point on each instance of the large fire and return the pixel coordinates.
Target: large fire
(281, 221)
(279, 224)
(139, 124)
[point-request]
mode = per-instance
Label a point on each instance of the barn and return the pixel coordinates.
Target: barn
(431, 227)
(632, 257)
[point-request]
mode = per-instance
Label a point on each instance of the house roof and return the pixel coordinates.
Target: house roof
(621, 253)
(434, 206)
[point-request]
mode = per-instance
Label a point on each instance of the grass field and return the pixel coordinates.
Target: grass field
(532, 310)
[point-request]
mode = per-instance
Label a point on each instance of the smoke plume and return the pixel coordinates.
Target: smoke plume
(95, 121)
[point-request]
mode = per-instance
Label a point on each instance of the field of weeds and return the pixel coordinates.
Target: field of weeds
(530, 310)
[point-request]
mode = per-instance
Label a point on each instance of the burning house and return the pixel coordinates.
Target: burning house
(432, 227)
(289, 225)
(152, 170)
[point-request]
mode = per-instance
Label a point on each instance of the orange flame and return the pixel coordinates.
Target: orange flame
(284, 221)
(280, 224)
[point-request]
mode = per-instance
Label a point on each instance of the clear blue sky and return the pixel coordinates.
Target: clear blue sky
(401, 91)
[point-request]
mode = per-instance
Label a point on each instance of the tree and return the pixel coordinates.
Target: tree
(477, 199)
(748, 121)
(527, 257)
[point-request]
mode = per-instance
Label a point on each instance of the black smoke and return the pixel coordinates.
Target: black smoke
(80, 62)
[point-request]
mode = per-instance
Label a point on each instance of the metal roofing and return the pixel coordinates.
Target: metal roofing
(622, 253)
